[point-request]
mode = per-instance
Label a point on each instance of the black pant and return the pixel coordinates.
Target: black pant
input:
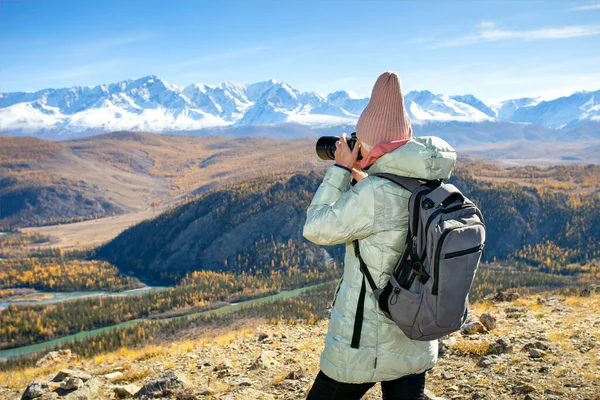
(410, 387)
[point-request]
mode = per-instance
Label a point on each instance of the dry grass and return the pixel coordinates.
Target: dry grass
(21, 378)
(471, 347)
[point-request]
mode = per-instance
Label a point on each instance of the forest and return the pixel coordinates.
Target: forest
(55, 274)
(198, 291)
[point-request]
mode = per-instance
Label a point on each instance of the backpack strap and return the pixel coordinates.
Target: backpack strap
(415, 263)
(410, 184)
(360, 307)
(446, 193)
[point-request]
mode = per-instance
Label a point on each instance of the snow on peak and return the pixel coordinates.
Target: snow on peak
(150, 103)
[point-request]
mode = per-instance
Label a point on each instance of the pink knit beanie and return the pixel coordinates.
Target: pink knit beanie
(384, 119)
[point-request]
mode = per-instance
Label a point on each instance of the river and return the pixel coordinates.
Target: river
(35, 348)
(57, 297)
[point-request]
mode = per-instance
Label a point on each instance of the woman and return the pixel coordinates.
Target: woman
(374, 211)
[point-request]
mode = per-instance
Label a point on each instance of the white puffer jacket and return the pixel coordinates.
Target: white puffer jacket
(375, 211)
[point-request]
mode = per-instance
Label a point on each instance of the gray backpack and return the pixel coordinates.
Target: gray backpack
(427, 295)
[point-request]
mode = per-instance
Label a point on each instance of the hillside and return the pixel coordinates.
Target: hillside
(537, 347)
(229, 229)
(44, 183)
(251, 226)
(96, 187)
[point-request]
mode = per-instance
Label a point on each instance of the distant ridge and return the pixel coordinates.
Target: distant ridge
(153, 105)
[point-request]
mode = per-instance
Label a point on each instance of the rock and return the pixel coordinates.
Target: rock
(500, 296)
(488, 321)
(513, 296)
(288, 384)
(49, 396)
(71, 383)
(113, 375)
(54, 357)
(587, 292)
(126, 391)
(541, 345)
(33, 391)
(297, 374)
(65, 353)
(500, 346)
(535, 345)
(266, 360)
(206, 391)
(524, 388)
(222, 369)
(66, 373)
(429, 395)
(536, 353)
(245, 393)
(163, 386)
(240, 381)
(473, 328)
(89, 390)
(50, 358)
(448, 375)
(222, 366)
(444, 345)
(487, 361)
(262, 337)
(223, 373)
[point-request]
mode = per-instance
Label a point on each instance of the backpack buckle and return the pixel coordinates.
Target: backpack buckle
(420, 272)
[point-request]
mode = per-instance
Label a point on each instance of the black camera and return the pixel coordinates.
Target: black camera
(326, 146)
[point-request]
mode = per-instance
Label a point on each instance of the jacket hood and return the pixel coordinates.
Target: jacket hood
(426, 157)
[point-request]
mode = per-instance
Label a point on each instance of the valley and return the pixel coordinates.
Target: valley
(130, 176)
(218, 231)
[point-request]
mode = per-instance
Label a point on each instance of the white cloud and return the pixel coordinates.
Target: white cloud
(591, 6)
(490, 32)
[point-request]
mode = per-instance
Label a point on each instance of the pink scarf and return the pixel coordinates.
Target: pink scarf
(381, 149)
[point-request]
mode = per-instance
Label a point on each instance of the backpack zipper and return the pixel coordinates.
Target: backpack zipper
(463, 252)
(444, 211)
(438, 251)
(415, 217)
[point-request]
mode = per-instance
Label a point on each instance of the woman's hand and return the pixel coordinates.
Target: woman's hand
(343, 155)
(357, 173)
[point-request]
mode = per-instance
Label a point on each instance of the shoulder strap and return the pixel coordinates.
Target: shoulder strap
(360, 307)
(363, 266)
(410, 184)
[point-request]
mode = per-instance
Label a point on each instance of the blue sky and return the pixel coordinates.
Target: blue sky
(492, 49)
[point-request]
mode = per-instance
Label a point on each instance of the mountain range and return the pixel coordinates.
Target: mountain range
(150, 104)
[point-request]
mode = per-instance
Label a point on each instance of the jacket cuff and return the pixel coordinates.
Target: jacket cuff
(341, 166)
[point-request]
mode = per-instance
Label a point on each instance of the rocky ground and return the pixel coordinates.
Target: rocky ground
(540, 347)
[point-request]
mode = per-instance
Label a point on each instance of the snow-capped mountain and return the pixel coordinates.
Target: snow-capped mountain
(564, 112)
(151, 104)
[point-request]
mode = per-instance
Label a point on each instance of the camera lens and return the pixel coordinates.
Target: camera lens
(326, 147)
